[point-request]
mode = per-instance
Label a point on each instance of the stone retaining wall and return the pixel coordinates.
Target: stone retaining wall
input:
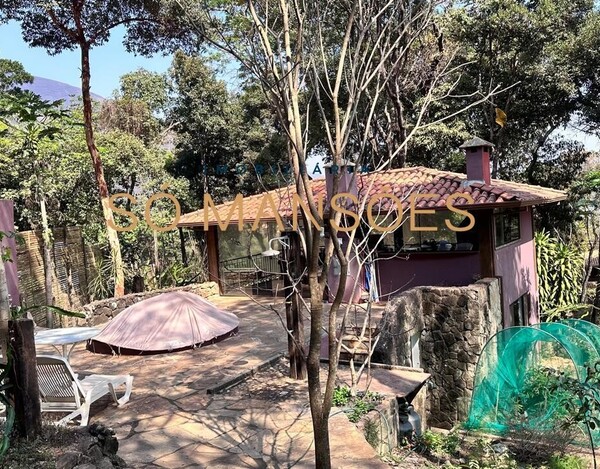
(103, 311)
(449, 326)
(381, 426)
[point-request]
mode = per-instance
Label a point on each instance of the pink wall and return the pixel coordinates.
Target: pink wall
(515, 263)
(420, 269)
(7, 224)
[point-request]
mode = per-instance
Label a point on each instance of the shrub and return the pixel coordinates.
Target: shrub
(560, 275)
(341, 396)
(566, 461)
(433, 442)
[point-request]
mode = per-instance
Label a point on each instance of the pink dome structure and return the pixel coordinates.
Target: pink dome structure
(165, 323)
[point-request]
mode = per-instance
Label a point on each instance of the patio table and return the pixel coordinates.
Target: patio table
(64, 337)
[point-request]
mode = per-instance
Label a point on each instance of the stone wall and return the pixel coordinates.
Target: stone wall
(451, 325)
(381, 425)
(102, 311)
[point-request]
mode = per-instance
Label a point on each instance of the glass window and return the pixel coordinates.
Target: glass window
(508, 227)
(438, 237)
(519, 311)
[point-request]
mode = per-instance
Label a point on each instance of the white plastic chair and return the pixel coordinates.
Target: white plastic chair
(62, 391)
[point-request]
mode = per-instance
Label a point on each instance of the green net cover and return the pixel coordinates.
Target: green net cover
(591, 330)
(510, 388)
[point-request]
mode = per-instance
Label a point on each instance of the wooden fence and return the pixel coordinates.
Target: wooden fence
(74, 264)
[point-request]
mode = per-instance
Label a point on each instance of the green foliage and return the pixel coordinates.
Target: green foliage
(101, 285)
(580, 398)
(483, 456)
(356, 406)
(148, 87)
(341, 396)
(150, 26)
(560, 275)
(566, 461)
(515, 44)
(540, 395)
(438, 443)
(4, 400)
(371, 432)
(12, 74)
(18, 312)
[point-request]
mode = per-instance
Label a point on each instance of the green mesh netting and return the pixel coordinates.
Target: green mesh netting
(510, 389)
(589, 329)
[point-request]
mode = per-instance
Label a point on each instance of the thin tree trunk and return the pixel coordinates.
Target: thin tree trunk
(48, 262)
(313, 368)
(596, 308)
(156, 254)
(113, 239)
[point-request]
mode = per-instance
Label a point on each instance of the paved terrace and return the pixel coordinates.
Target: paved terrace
(171, 422)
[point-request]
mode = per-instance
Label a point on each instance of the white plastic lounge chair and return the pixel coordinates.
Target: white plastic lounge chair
(62, 391)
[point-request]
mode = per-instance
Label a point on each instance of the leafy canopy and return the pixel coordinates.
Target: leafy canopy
(151, 25)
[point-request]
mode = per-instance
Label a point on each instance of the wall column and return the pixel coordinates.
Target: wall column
(484, 226)
(212, 249)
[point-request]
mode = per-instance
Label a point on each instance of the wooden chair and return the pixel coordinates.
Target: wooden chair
(62, 391)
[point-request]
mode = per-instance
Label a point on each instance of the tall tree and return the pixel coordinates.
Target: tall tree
(12, 75)
(29, 122)
(328, 54)
(526, 47)
(209, 143)
(85, 24)
(149, 87)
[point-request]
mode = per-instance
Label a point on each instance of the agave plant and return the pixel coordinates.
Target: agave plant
(560, 269)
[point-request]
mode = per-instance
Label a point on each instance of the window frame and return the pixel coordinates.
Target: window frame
(502, 216)
(523, 305)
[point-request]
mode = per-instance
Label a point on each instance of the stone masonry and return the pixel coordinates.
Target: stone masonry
(450, 326)
(103, 311)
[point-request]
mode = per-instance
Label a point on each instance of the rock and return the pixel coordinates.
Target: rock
(105, 463)
(95, 453)
(68, 460)
(500, 448)
(85, 466)
(86, 442)
(118, 461)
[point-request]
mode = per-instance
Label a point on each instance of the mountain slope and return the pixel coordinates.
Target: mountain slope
(52, 90)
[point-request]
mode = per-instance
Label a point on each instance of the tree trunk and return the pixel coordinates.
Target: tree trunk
(157, 266)
(313, 367)
(596, 306)
(48, 262)
(292, 308)
(111, 233)
(24, 393)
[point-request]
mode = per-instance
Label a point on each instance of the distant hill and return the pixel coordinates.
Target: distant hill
(52, 90)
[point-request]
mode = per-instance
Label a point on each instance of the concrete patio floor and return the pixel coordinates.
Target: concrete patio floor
(171, 422)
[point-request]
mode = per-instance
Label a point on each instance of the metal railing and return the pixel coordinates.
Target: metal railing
(249, 271)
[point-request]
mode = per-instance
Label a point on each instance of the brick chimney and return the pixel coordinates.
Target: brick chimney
(477, 152)
(347, 183)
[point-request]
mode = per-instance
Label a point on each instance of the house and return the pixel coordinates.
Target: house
(464, 228)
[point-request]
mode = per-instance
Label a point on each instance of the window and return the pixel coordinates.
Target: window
(439, 238)
(508, 227)
(519, 311)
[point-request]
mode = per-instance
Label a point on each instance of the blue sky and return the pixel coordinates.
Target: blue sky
(109, 61)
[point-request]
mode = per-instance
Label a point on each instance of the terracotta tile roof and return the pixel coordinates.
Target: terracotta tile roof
(403, 183)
